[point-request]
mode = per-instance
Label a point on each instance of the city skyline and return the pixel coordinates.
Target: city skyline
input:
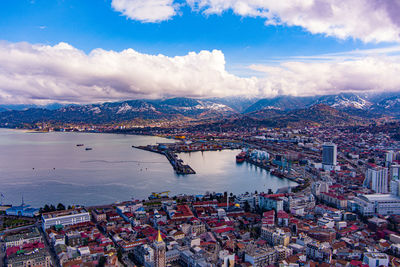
(81, 52)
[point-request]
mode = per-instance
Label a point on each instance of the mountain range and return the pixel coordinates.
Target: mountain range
(340, 108)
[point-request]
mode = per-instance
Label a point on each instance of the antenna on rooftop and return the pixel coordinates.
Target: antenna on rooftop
(1, 199)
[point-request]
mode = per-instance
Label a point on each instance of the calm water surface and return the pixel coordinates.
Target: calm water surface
(50, 168)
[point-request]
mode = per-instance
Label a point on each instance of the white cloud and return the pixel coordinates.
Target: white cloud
(61, 73)
(146, 10)
(359, 74)
(40, 74)
(367, 20)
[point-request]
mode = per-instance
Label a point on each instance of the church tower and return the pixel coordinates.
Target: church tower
(159, 251)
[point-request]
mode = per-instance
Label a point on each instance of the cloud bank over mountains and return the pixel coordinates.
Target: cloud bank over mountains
(35, 73)
(41, 74)
(62, 73)
(366, 20)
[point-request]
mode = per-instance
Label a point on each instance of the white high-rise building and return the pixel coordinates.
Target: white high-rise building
(329, 156)
(376, 178)
(395, 172)
(389, 156)
(395, 187)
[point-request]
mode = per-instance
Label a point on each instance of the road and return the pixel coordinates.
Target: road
(54, 260)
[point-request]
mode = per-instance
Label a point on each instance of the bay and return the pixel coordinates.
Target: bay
(48, 168)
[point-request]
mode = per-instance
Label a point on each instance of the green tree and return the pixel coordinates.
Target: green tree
(60, 206)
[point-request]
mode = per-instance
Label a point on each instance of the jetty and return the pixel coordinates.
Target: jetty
(176, 162)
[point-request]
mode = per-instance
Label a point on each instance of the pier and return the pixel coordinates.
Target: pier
(176, 162)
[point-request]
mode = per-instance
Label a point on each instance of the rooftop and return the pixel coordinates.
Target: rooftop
(62, 213)
(380, 197)
(32, 232)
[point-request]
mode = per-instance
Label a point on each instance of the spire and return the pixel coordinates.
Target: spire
(159, 237)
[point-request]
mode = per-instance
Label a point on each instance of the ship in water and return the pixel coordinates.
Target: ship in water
(240, 157)
(88, 148)
(79, 144)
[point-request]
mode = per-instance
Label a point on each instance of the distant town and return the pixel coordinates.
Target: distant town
(344, 210)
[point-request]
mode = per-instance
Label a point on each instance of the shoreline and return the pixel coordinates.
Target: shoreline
(187, 191)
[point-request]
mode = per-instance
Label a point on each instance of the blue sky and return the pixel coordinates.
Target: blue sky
(237, 29)
(92, 24)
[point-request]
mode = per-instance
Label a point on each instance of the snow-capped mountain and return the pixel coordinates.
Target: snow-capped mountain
(212, 108)
(345, 101)
(111, 112)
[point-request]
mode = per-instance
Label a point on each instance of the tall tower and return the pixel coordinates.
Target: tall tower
(329, 156)
(159, 252)
(376, 178)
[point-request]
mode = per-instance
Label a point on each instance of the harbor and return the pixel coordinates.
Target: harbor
(169, 150)
(176, 162)
(278, 165)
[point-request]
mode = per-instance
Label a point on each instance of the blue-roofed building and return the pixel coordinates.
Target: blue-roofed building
(22, 210)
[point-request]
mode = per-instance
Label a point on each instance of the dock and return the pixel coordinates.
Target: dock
(176, 162)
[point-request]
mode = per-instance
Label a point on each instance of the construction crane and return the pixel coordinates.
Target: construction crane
(155, 195)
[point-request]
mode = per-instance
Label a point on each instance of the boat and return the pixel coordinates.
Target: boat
(240, 157)
(88, 148)
(79, 144)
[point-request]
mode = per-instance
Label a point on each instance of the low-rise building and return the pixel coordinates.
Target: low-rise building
(22, 210)
(382, 204)
(271, 202)
(144, 254)
(35, 258)
(31, 235)
(320, 252)
(65, 217)
(283, 252)
(260, 257)
(375, 259)
(275, 236)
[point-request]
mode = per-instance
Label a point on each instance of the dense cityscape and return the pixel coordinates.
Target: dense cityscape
(343, 212)
(199, 133)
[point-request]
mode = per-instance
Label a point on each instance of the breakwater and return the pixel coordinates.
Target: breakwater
(176, 162)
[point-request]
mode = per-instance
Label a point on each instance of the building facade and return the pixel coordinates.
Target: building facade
(329, 156)
(376, 178)
(271, 202)
(383, 204)
(275, 236)
(29, 236)
(64, 218)
(260, 257)
(39, 258)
